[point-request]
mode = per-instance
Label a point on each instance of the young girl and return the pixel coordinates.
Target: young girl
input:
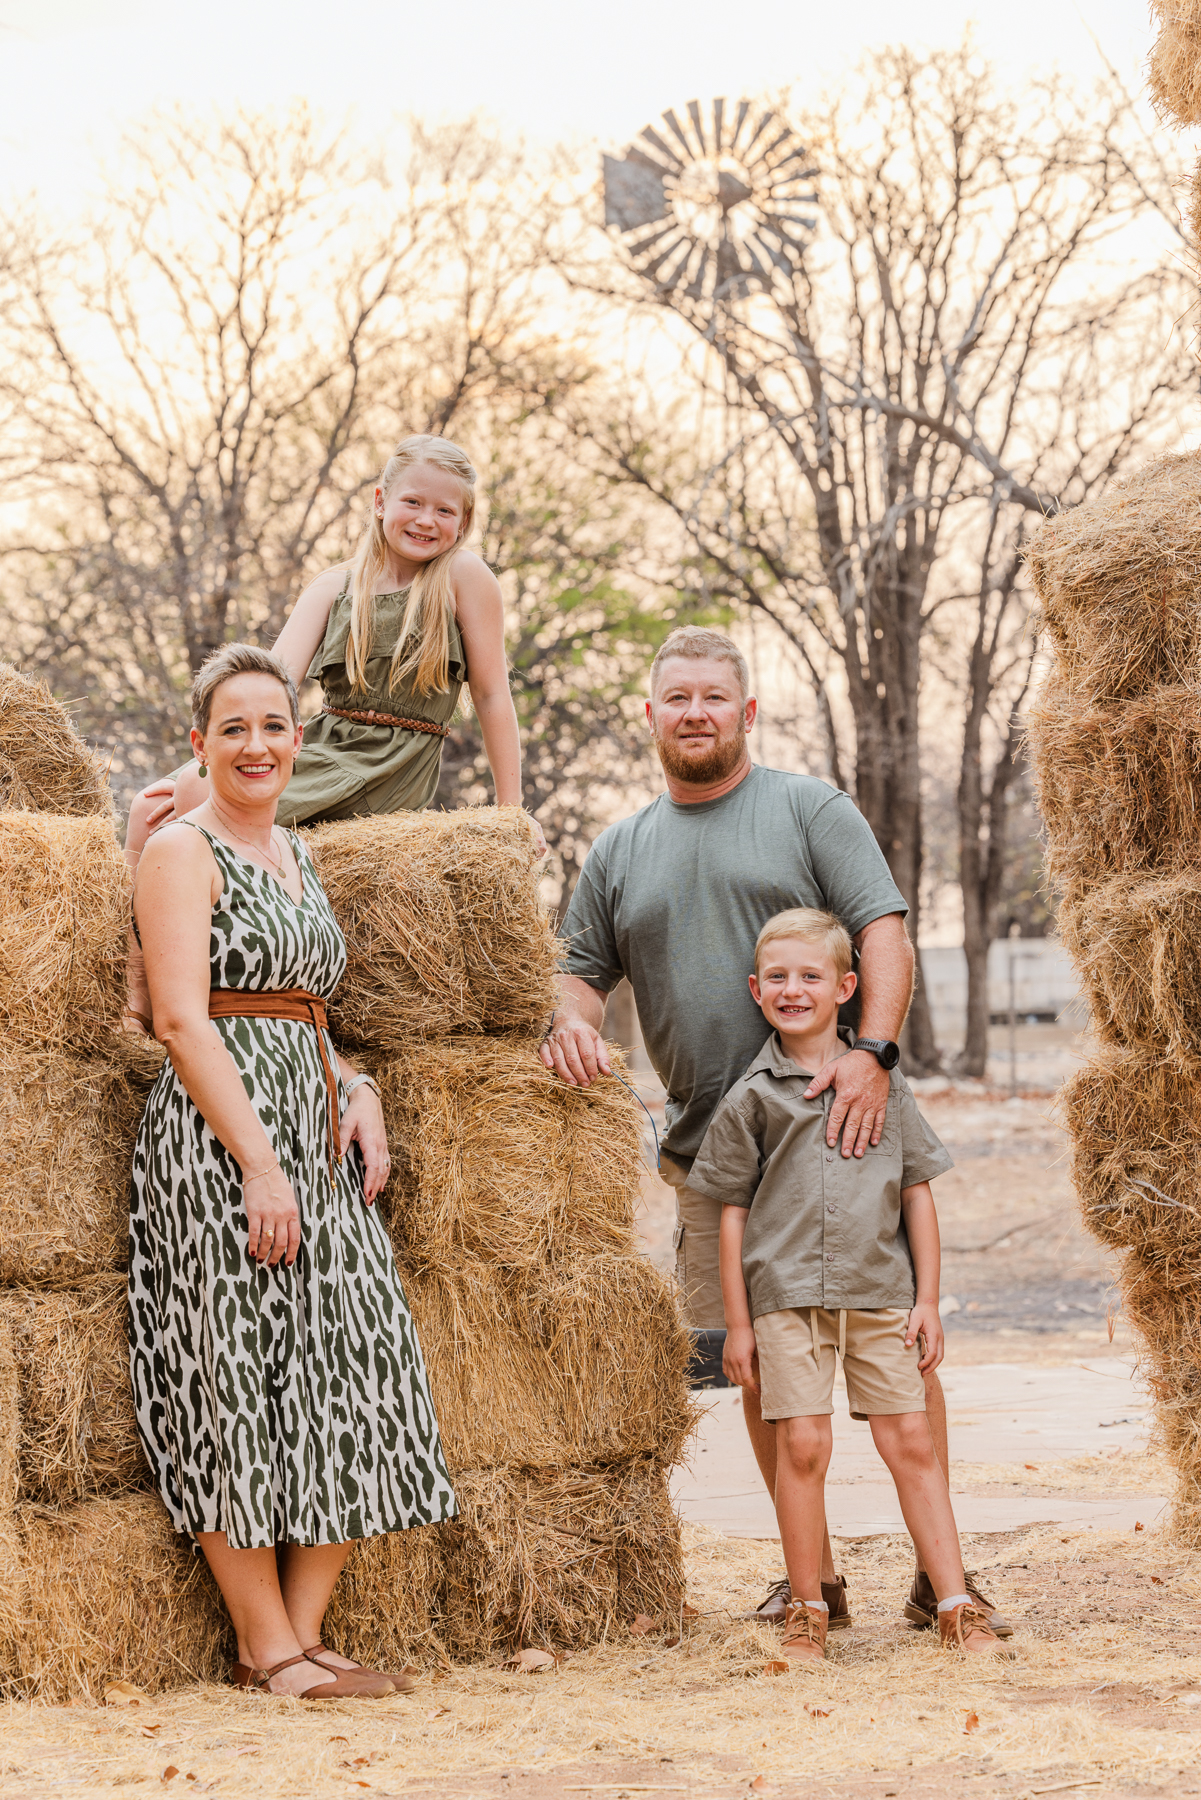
(392, 638)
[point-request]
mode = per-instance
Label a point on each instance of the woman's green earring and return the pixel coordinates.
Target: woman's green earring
(204, 771)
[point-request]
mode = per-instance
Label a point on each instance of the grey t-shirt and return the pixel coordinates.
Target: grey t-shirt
(674, 898)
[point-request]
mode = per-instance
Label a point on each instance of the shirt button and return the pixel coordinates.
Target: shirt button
(829, 1209)
(829, 1259)
(829, 1157)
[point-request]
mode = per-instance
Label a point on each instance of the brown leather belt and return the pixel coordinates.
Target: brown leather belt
(379, 718)
(286, 1003)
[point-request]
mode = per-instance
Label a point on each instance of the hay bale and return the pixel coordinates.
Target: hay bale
(1166, 1323)
(1119, 580)
(44, 763)
(67, 1131)
(1137, 946)
(1174, 68)
(546, 1557)
(101, 1592)
(445, 929)
(10, 1420)
(78, 1438)
(494, 1158)
(579, 1363)
(64, 916)
(1118, 785)
(1135, 1123)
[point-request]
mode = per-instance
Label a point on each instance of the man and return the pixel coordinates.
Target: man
(684, 885)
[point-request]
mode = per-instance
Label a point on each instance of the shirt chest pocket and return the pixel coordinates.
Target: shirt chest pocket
(889, 1137)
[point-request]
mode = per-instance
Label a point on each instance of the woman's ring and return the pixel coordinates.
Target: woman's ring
(268, 1234)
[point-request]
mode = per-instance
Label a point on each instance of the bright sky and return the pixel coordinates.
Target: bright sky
(72, 71)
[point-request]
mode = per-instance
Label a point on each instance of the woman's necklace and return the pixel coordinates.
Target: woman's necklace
(278, 870)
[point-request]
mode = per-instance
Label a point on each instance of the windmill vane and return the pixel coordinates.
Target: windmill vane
(712, 204)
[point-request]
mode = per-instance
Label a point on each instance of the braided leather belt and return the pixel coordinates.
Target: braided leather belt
(379, 718)
(286, 1003)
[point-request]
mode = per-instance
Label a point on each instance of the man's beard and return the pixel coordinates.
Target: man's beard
(703, 771)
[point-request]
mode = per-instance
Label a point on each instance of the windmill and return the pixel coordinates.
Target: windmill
(715, 206)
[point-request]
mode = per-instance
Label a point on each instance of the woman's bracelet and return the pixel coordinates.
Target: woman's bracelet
(358, 1081)
(267, 1171)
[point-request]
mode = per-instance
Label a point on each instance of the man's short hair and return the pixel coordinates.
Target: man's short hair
(703, 645)
(812, 926)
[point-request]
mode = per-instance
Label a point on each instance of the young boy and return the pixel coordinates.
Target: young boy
(820, 1252)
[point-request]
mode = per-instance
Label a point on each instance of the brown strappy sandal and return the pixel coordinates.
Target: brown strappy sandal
(402, 1683)
(351, 1684)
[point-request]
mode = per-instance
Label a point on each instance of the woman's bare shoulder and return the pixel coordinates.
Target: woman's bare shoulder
(178, 848)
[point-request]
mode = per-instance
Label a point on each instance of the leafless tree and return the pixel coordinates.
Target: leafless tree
(204, 379)
(980, 329)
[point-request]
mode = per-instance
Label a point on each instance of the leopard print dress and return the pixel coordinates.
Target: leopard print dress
(277, 1405)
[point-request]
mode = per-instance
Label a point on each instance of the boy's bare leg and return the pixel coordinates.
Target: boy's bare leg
(905, 1442)
(936, 1418)
(803, 1456)
(762, 1433)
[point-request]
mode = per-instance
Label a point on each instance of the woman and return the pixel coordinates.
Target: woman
(280, 1390)
(392, 638)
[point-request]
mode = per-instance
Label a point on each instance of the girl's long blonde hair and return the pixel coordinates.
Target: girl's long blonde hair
(431, 597)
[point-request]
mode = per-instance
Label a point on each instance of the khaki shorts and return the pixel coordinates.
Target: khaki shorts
(797, 1354)
(698, 1221)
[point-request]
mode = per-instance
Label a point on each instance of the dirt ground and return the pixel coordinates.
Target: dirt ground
(1102, 1699)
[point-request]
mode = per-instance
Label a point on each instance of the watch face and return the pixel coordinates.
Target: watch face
(890, 1056)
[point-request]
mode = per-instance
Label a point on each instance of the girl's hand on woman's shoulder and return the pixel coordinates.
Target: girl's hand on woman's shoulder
(363, 1124)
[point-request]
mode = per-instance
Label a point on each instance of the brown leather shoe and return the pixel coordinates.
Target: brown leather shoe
(358, 1684)
(804, 1639)
(403, 1681)
(834, 1593)
(772, 1610)
(921, 1608)
(965, 1628)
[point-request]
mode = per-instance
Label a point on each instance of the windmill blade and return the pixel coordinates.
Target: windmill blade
(719, 110)
(748, 152)
(669, 156)
(744, 107)
(694, 113)
(673, 123)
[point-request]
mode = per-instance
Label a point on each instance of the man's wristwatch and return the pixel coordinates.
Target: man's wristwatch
(886, 1053)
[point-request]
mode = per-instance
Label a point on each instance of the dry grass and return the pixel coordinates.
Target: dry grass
(581, 1363)
(44, 763)
(495, 1159)
(1118, 785)
(64, 915)
(67, 1130)
(77, 1436)
(445, 930)
(1174, 68)
(1108, 1658)
(1118, 581)
(1137, 945)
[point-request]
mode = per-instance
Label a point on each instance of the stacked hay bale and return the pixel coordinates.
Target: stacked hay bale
(1116, 739)
(1174, 82)
(556, 1355)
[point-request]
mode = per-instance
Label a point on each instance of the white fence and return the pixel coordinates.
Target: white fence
(1036, 972)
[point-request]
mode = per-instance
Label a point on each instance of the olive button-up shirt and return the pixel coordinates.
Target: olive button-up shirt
(824, 1229)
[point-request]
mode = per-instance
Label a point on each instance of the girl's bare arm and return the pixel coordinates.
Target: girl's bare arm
(480, 612)
(301, 638)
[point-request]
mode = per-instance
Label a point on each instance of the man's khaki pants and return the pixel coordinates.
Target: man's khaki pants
(698, 1222)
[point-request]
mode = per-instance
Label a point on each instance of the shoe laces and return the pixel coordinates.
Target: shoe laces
(968, 1619)
(800, 1623)
(774, 1591)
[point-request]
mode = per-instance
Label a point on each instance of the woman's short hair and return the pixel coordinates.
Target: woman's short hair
(812, 926)
(222, 665)
(703, 645)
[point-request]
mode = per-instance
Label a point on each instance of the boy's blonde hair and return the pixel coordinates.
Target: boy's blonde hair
(812, 927)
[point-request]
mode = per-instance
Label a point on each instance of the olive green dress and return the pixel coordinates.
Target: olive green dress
(345, 768)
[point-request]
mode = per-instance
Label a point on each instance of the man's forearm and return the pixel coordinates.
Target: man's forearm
(885, 977)
(579, 1000)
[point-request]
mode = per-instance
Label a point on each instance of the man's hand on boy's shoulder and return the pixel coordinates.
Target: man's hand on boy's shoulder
(740, 1358)
(924, 1322)
(860, 1100)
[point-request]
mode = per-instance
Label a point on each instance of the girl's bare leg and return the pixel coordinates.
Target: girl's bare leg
(307, 1576)
(249, 1583)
